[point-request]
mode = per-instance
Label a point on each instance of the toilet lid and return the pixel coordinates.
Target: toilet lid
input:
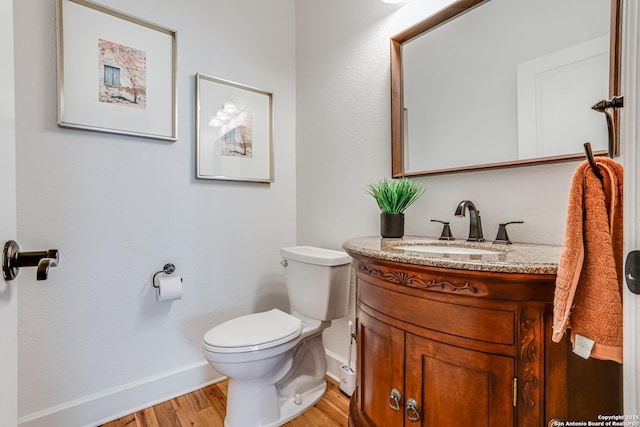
(253, 332)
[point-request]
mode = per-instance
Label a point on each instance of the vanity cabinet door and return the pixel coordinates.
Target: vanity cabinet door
(381, 370)
(457, 386)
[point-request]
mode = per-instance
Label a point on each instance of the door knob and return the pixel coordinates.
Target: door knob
(13, 260)
(632, 271)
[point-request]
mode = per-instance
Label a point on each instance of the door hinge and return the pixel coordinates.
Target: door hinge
(515, 392)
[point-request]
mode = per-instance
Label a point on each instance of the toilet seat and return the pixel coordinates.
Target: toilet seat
(253, 332)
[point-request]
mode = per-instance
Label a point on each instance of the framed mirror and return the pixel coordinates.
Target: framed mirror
(502, 83)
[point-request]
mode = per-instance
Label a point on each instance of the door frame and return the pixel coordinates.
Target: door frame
(630, 135)
(8, 291)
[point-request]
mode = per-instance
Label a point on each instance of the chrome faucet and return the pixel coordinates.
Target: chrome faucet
(475, 224)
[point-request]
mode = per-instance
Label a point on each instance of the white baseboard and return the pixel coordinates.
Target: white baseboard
(100, 408)
(334, 362)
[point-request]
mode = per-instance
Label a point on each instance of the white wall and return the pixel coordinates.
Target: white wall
(118, 208)
(92, 337)
(343, 141)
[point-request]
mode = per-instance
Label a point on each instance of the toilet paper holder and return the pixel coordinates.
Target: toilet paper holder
(167, 269)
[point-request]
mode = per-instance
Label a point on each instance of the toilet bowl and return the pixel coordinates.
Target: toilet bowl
(275, 361)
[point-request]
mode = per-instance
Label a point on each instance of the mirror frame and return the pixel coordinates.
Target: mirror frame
(452, 11)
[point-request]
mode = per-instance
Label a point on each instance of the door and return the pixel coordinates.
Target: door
(452, 383)
(630, 135)
(381, 366)
(8, 296)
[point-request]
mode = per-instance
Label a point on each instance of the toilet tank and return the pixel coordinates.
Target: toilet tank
(317, 281)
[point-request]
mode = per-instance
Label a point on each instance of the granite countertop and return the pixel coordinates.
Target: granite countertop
(514, 258)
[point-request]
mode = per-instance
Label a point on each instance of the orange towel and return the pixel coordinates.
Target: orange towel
(588, 295)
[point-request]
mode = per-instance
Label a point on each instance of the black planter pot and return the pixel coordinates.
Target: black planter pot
(392, 224)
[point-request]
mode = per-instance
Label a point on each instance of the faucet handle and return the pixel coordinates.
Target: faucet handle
(503, 238)
(446, 230)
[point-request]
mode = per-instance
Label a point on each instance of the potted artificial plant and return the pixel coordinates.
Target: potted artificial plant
(393, 198)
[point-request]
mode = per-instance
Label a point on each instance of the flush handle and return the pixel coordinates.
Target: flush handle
(13, 260)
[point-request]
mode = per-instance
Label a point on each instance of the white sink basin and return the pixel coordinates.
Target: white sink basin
(446, 249)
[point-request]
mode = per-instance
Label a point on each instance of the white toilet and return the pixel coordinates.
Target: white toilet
(275, 361)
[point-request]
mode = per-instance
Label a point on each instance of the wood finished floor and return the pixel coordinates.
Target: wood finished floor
(206, 408)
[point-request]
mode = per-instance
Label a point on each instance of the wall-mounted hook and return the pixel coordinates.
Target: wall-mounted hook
(604, 106)
(13, 260)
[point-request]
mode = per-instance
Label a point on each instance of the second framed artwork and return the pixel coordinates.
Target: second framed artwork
(233, 131)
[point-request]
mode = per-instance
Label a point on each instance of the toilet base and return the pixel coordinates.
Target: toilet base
(261, 403)
(289, 409)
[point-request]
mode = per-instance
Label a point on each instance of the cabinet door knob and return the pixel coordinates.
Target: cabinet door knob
(413, 412)
(394, 400)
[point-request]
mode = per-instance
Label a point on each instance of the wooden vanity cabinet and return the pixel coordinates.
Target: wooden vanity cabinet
(443, 347)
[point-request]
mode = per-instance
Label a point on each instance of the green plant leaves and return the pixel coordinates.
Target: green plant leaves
(395, 196)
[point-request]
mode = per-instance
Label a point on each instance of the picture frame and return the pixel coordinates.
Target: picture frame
(234, 131)
(116, 73)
